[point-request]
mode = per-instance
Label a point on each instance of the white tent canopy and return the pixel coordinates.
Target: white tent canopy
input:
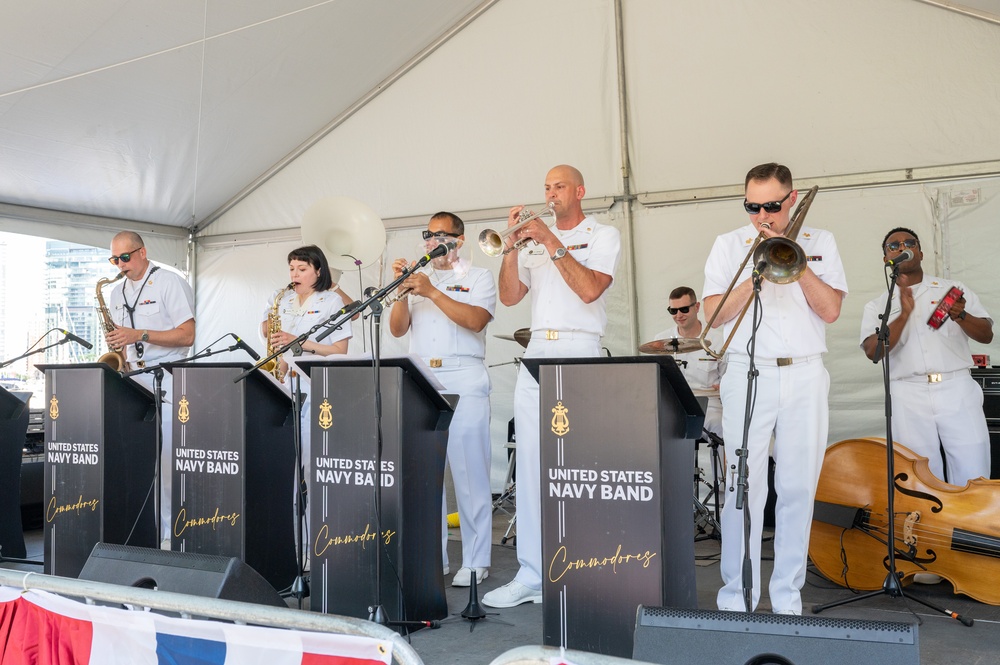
(227, 120)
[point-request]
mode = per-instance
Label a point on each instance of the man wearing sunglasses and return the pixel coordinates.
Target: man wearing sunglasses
(153, 309)
(790, 401)
(568, 269)
(936, 404)
(699, 368)
(446, 313)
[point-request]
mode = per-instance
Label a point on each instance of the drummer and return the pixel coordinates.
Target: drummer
(701, 370)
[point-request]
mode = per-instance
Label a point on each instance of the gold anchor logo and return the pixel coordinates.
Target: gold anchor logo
(326, 414)
(54, 408)
(560, 422)
(183, 412)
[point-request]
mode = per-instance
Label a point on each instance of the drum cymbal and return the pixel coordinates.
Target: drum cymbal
(671, 345)
(522, 336)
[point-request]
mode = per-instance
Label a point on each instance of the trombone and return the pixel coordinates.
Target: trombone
(783, 261)
(494, 243)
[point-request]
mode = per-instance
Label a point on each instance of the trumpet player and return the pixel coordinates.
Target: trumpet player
(792, 387)
(568, 270)
(153, 310)
(446, 313)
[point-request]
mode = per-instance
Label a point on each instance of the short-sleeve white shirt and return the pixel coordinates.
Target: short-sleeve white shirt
(432, 333)
(790, 328)
(298, 319)
(162, 300)
(554, 305)
(922, 349)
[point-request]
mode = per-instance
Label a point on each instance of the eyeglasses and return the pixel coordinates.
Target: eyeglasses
(427, 234)
(124, 257)
(682, 310)
(771, 206)
(895, 246)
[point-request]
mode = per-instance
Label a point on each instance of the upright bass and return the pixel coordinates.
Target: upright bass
(939, 528)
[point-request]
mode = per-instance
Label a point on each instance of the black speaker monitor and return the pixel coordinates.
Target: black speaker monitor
(679, 636)
(226, 578)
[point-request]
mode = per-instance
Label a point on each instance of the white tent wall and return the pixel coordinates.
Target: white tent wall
(826, 87)
(843, 89)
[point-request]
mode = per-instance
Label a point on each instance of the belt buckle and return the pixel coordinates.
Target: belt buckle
(551, 335)
(435, 363)
(784, 362)
(934, 378)
(140, 364)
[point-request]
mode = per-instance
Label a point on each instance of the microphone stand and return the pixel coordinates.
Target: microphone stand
(7, 363)
(742, 479)
(891, 586)
(157, 372)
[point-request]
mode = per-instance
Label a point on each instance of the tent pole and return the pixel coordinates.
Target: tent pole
(626, 171)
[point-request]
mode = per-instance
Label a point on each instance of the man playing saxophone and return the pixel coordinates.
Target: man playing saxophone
(792, 387)
(153, 313)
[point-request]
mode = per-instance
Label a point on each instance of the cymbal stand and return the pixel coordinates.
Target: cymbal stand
(892, 585)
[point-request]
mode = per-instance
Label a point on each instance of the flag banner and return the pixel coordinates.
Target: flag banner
(40, 628)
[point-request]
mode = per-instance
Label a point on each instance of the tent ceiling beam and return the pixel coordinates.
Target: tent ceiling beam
(363, 101)
(964, 10)
(592, 205)
(60, 217)
(847, 181)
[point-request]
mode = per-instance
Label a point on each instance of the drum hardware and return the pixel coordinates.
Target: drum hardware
(708, 510)
(522, 336)
(783, 262)
(672, 345)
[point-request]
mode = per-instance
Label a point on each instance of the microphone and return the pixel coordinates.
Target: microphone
(760, 266)
(905, 255)
(440, 250)
(347, 308)
(246, 347)
(73, 338)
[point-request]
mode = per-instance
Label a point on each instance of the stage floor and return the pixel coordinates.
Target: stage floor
(943, 641)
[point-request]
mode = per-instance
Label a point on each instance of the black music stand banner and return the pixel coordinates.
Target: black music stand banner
(233, 468)
(13, 433)
(100, 461)
(617, 462)
(344, 537)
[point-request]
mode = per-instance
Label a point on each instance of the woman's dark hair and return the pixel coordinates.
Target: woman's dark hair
(315, 257)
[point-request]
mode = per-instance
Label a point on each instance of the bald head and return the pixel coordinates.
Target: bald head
(566, 173)
(130, 238)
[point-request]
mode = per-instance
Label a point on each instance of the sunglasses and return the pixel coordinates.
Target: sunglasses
(440, 235)
(771, 206)
(895, 246)
(124, 258)
(683, 310)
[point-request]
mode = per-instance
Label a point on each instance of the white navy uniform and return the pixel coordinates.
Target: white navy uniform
(162, 300)
(703, 372)
(791, 404)
(554, 307)
(455, 354)
(935, 401)
(297, 319)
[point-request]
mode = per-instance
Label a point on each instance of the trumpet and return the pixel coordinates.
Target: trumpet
(388, 301)
(493, 243)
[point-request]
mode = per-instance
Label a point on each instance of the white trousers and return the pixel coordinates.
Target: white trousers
(469, 461)
(526, 428)
(792, 405)
(926, 416)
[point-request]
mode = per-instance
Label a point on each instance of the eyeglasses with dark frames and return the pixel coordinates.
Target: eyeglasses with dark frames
(124, 257)
(769, 207)
(427, 234)
(683, 310)
(896, 245)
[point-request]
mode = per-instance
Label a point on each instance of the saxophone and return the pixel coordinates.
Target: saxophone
(273, 366)
(114, 357)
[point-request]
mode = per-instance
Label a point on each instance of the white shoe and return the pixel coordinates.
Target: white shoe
(464, 576)
(927, 578)
(791, 612)
(447, 569)
(512, 594)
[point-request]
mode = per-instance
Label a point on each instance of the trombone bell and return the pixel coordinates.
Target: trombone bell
(784, 261)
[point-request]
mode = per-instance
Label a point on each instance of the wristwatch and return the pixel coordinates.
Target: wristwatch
(962, 315)
(145, 336)
(559, 253)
